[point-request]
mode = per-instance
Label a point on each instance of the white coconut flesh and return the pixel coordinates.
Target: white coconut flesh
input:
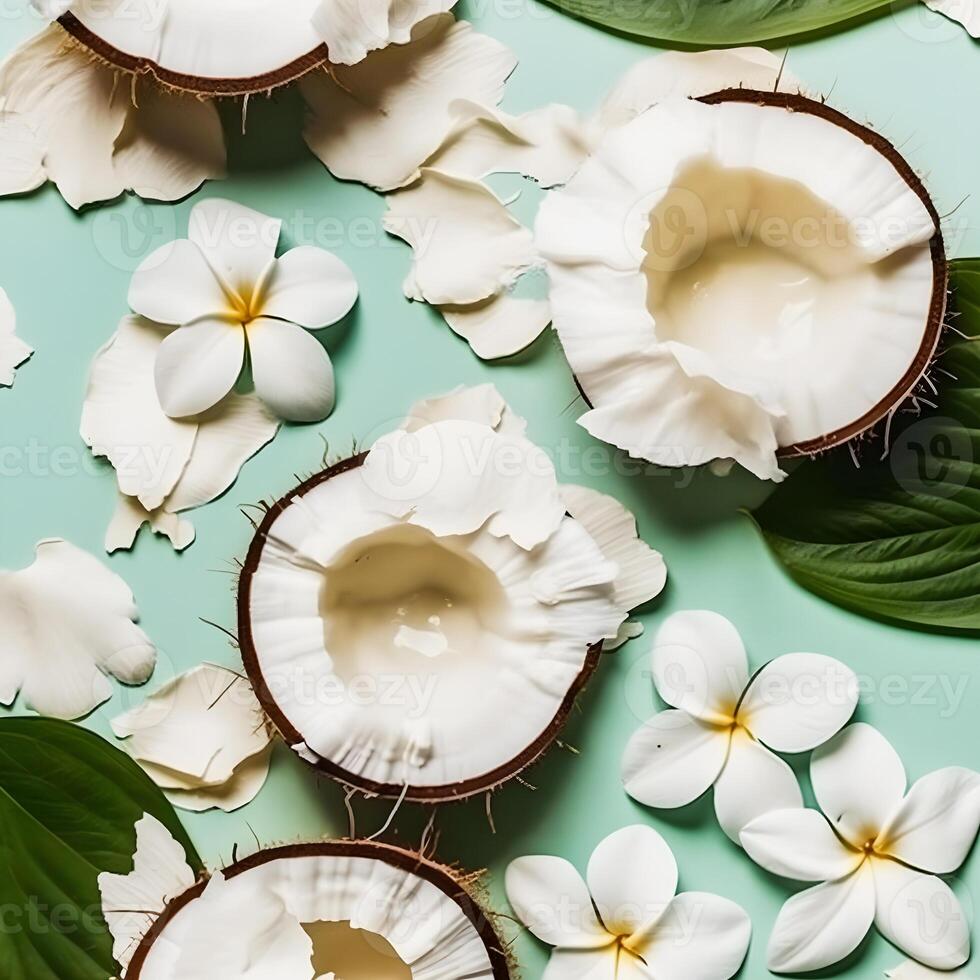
(408, 661)
(213, 47)
(768, 246)
(345, 910)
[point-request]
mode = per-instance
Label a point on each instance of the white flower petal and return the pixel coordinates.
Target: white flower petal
(68, 622)
(197, 365)
(965, 12)
(175, 285)
(352, 29)
(238, 242)
(632, 876)
(549, 896)
(378, 121)
(587, 964)
(546, 144)
(859, 782)
(309, 286)
(201, 726)
(132, 902)
(130, 516)
(673, 759)
(920, 914)
(798, 701)
(292, 372)
(753, 782)
(21, 154)
(500, 326)
(69, 97)
(271, 940)
(13, 350)
(454, 477)
(466, 245)
(820, 926)
(245, 784)
(123, 421)
(936, 824)
(170, 144)
(642, 572)
(681, 74)
(52, 9)
(700, 665)
(800, 844)
(701, 937)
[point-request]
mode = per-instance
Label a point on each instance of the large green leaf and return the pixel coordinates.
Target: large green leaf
(898, 539)
(68, 804)
(719, 22)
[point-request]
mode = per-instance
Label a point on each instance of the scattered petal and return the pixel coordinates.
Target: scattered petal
(642, 572)
(478, 403)
(130, 516)
(21, 154)
(68, 622)
(292, 372)
(131, 903)
(681, 74)
(500, 326)
(798, 701)
(700, 665)
(379, 121)
(936, 824)
(123, 421)
(820, 926)
(700, 937)
(170, 144)
(454, 477)
(798, 844)
(467, 246)
(753, 782)
(920, 914)
(271, 940)
(632, 877)
(549, 896)
(965, 12)
(859, 782)
(311, 287)
(13, 351)
(545, 144)
(97, 139)
(197, 365)
(352, 29)
(199, 732)
(630, 630)
(673, 759)
(245, 784)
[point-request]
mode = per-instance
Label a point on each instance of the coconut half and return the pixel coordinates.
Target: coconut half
(745, 276)
(353, 909)
(395, 607)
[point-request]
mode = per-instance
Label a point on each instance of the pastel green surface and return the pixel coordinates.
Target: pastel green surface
(912, 74)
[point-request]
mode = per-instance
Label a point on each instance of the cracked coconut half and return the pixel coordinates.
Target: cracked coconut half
(356, 910)
(418, 620)
(747, 276)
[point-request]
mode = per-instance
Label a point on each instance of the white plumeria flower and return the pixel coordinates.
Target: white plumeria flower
(722, 724)
(876, 854)
(627, 923)
(224, 289)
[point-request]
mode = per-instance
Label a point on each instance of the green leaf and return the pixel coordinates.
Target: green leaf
(713, 23)
(898, 539)
(69, 802)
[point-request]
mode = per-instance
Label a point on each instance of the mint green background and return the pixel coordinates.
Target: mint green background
(912, 74)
